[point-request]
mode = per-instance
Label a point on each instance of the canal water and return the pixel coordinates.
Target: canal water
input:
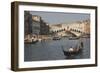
(53, 50)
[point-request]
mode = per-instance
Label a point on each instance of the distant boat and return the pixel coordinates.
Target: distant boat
(56, 38)
(86, 36)
(31, 41)
(73, 51)
(39, 40)
(73, 38)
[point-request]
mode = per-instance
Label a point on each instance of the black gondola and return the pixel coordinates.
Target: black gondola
(73, 51)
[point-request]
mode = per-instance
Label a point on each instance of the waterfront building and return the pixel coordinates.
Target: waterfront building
(27, 23)
(44, 30)
(39, 26)
(36, 24)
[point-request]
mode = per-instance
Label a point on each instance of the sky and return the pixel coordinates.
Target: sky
(61, 17)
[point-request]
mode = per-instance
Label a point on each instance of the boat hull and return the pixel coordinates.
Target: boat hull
(69, 53)
(32, 42)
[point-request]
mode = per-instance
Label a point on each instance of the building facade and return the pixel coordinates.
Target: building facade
(39, 27)
(44, 30)
(36, 24)
(27, 23)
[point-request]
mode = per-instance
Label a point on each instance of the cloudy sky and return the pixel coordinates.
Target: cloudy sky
(61, 17)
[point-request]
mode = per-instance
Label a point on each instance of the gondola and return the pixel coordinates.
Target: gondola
(73, 51)
(30, 42)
